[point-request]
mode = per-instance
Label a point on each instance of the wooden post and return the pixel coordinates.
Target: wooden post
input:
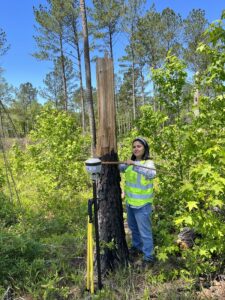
(106, 136)
(114, 251)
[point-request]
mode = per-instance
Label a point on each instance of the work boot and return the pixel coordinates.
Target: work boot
(134, 252)
(147, 264)
(143, 264)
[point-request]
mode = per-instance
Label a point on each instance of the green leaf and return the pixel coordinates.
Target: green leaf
(188, 220)
(203, 252)
(187, 187)
(223, 14)
(217, 188)
(218, 203)
(201, 47)
(191, 204)
(162, 256)
(220, 234)
(179, 220)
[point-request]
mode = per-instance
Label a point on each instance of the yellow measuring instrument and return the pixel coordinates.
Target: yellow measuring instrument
(90, 261)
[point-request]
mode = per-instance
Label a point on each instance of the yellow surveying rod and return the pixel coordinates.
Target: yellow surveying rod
(90, 263)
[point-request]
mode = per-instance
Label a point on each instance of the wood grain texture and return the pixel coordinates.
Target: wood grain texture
(106, 133)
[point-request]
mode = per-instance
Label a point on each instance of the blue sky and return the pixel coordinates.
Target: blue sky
(17, 20)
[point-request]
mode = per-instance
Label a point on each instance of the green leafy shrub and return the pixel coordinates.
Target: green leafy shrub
(190, 189)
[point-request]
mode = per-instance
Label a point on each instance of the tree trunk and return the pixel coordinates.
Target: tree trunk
(63, 75)
(111, 223)
(76, 42)
(110, 43)
(133, 86)
(142, 86)
(89, 96)
(111, 227)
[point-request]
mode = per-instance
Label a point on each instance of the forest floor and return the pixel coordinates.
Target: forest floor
(136, 283)
(215, 291)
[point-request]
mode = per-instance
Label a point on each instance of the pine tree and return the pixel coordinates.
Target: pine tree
(51, 35)
(73, 37)
(25, 108)
(53, 91)
(88, 75)
(4, 47)
(129, 24)
(106, 15)
(194, 26)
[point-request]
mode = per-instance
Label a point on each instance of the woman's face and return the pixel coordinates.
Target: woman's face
(138, 150)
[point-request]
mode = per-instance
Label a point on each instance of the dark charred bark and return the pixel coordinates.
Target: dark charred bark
(110, 212)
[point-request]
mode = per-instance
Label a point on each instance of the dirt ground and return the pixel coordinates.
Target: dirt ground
(215, 291)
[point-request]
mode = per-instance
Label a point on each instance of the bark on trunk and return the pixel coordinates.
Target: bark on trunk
(76, 42)
(63, 76)
(89, 96)
(111, 223)
(111, 227)
(142, 87)
(110, 43)
(133, 85)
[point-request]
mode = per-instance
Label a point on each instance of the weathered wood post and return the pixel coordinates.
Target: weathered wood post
(111, 226)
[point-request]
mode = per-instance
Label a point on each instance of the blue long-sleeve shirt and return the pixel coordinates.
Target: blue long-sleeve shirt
(148, 173)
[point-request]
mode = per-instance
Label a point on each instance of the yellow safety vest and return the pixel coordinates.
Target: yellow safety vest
(138, 189)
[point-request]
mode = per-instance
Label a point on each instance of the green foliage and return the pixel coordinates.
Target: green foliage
(57, 150)
(192, 192)
(8, 213)
(170, 80)
(194, 27)
(125, 146)
(3, 43)
(42, 242)
(53, 91)
(106, 15)
(25, 108)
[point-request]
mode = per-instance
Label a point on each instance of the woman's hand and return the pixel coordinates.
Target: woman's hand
(129, 162)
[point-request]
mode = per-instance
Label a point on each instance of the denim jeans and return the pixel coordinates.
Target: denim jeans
(140, 225)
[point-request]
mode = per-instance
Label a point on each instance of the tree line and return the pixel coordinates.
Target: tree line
(143, 35)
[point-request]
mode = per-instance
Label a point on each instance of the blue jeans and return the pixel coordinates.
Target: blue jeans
(140, 225)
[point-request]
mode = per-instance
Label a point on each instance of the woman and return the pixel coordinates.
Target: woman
(139, 196)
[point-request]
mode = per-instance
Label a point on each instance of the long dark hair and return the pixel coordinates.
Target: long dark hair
(146, 154)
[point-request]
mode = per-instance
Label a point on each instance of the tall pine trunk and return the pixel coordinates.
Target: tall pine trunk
(110, 44)
(142, 86)
(89, 96)
(65, 100)
(133, 85)
(76, 42)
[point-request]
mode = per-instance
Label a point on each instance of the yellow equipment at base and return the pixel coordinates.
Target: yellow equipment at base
(90, 261)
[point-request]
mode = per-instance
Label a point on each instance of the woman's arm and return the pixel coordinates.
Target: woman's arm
(148, 173)
(123, 167)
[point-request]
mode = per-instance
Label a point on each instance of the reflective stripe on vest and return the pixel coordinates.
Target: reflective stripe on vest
(138, 189)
